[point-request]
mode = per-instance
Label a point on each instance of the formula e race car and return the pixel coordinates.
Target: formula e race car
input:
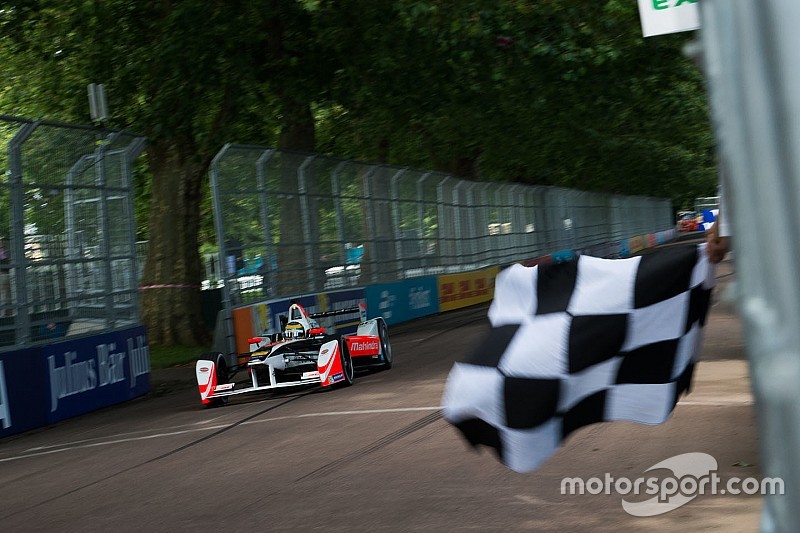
(302, 353)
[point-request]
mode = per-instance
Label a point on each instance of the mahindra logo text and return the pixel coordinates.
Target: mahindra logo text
(365, 346)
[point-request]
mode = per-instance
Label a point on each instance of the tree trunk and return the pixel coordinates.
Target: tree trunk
(466, 166)
(297, 134)
(171, 300)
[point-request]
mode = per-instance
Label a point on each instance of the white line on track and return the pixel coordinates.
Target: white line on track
(717, 403)
(127, 434)
(193, 428)
(114, 439)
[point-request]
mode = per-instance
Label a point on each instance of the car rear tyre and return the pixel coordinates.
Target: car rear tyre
(386, 346)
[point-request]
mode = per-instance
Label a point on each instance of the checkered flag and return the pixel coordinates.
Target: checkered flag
(575, 343)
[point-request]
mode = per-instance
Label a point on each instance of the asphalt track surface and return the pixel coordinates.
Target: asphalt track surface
(376, 456)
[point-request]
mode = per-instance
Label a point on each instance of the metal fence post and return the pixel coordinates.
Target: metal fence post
(421, 216)
(473, 223)
(19, 261)
(72, 251)
(133, 151)
(337, 206)
(263, 211)
(750, 54)
(457, 233)
(514, 212)
(493, 219)
(442, 231)
(227, 302)
(485, 240)
(372, 237)
(103, 223)
(302, 191)
(397, 222)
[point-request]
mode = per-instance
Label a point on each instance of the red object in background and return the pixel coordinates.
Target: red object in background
(688, 223)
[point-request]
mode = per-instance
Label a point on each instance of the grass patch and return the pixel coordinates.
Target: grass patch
(168, 356)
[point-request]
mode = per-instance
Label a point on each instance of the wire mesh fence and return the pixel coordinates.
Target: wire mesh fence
(290, 223)
(67, 233)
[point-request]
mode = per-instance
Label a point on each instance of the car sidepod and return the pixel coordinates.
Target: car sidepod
(370, 346)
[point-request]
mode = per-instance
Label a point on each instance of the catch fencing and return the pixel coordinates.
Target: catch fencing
(290, 223)
(68, 262)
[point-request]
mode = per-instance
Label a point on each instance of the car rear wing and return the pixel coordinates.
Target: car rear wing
(361, 309)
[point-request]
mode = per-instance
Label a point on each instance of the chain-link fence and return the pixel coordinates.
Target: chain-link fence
(67, 231)
(290, 223)
(706, 202)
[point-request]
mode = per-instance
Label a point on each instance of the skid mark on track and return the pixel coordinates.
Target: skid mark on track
(375, 446)
(123, 439)
(154, 459)
(463, 324)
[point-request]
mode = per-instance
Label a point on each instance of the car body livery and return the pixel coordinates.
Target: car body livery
(300, 354)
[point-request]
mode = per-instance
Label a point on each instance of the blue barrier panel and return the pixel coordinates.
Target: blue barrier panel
(403, 300)
(89, 373)
(563, 256)
(624, 248)
(22, 380)
(46, 384)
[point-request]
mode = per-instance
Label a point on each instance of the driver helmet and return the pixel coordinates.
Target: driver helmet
(295, 330)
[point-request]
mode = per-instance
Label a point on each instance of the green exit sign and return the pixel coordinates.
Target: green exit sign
(666, 4)
(668, 16)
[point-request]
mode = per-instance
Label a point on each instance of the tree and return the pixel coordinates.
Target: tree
(173, 71)
(545, 93)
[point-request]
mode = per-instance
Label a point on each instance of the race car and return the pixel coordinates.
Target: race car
(301, 353)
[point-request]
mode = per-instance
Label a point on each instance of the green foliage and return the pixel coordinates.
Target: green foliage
(543, 93)
(549, 92)
(171, 356)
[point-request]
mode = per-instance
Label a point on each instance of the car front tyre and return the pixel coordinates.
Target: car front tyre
(347, 365)
(223, 377)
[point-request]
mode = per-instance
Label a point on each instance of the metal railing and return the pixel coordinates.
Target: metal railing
(68, 262)
(750, 55)
(290, 223)
(706, 202)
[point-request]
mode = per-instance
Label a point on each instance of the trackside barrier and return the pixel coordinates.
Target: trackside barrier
(407, 300)
(319, 224)
(71, 339)
(46, 384)
(404, 300)
(610, 250)
(466, 289)
(68, 252)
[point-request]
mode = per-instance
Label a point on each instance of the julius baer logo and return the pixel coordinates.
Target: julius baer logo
(107, 367)
(5, 411)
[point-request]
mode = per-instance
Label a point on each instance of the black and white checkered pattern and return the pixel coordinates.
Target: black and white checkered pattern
(576, 343)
